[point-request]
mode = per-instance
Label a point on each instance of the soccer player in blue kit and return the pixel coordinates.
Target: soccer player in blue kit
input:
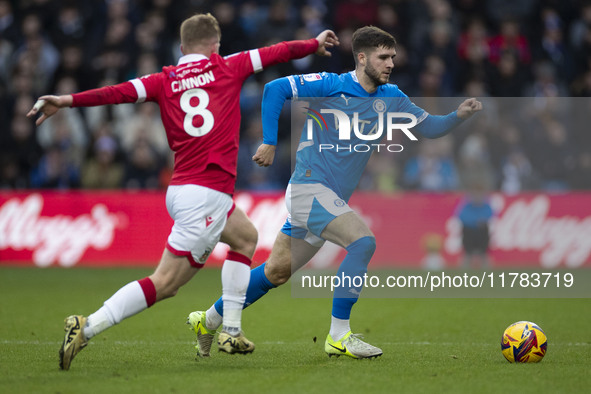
(324, 180)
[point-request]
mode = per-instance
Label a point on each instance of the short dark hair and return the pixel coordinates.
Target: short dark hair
(368, 38)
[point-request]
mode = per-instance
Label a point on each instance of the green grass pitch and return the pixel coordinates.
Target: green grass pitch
(430, 345)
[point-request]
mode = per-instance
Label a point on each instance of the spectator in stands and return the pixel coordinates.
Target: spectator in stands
(67, 129)
(433, 169)
(19, 150)
(250, 175)
(9, 30)
(545, 83)
(508, 78)
(580, 177)
(56, 170)
(143, 124)
(474, 160)
(72, 65)
(38, 51)
(70, 27)
(557, 159)
(280, 24)
(473, 52)
(510, 40)
(234, 38)
(552, 45)
(142, 166)
(102, 170)
(351, 14)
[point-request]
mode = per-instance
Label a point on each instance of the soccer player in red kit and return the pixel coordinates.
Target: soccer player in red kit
(199, 106)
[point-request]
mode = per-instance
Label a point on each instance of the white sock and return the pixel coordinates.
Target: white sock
(235, 278)
(126, 302)
(338, 328)
(212, 318)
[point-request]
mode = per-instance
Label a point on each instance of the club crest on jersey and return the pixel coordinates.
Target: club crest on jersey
(204, 256)
(339, 203)
(379, 106)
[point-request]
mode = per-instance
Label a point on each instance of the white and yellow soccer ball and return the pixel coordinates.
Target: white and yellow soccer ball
(524, 342)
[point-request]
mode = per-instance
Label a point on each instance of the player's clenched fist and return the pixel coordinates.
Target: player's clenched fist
(468, 108)
(264, 155)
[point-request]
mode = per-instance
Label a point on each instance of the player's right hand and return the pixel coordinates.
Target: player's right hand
(48, 106)
(264, 155)
(327, 39)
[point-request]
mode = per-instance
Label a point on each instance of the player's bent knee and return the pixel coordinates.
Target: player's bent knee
(246, 242)
(277, 274)
(370, 244)
(366, 246)
(250, 240)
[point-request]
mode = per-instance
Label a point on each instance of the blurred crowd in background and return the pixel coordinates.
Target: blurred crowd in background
(536, 49)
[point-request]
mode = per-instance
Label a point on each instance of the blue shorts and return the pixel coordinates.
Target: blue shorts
(311, 207)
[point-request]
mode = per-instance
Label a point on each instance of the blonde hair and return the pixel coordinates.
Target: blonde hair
(199, 29)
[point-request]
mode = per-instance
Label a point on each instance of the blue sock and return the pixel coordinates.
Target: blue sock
(258, 286)
(353, 267)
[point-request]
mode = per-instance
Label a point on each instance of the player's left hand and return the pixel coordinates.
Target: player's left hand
(264, 155)
(468, 108)
(326, 40)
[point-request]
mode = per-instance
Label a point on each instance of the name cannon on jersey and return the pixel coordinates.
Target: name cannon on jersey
(192, 82)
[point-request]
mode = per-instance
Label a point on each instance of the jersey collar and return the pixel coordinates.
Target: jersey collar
(354, 77)
(191, 58)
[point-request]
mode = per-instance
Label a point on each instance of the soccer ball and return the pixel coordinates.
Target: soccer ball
(524, 342)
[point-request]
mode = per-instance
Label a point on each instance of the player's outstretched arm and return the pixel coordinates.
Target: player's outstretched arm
(468, 108)
(326, 40)
(264, 155)
(48, 106)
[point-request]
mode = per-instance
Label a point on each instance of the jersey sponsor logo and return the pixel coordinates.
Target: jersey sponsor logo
(186, 69)
(312, 77)
(192, 82)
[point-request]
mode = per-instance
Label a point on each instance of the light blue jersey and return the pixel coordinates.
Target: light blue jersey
(323, 156)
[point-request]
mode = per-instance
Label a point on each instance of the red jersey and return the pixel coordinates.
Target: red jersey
(199, 102)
